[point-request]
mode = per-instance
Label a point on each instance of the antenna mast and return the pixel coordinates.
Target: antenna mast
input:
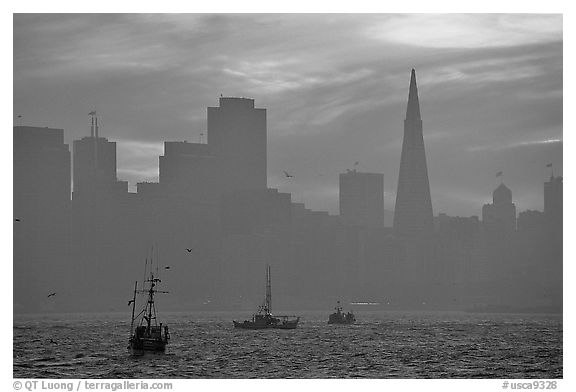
(133, 307)
(268, 290)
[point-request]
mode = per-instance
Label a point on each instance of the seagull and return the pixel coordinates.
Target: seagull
(51, 295)
(288, 175)
(167, 267)
(189, 249)
(17, 219)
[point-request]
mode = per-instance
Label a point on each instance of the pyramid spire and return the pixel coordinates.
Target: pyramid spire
(413, 108)
(413, 211)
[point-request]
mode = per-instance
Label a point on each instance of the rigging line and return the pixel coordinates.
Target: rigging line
(152, 257)
(138, 315)
(145, 266)
(157, 261)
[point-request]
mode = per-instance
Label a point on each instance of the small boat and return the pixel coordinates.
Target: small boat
(264, 318)
(149, 336)
(341, 318)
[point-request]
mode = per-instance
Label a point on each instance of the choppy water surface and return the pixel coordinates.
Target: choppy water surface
(380, 345)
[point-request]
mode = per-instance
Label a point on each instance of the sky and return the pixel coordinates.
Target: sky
(335, 87)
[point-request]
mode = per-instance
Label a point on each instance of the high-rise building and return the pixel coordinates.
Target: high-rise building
(500, 216)
(413, 216)
(362, 198)
(94, 166)
(41, 210)
(237, 136)
(553, 209)
(41, 168)
(190, 170)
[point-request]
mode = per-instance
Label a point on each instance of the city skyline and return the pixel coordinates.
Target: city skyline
(352, 111)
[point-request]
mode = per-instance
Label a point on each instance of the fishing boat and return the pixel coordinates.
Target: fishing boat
(264, 318)
(148, 336)
(341, 318)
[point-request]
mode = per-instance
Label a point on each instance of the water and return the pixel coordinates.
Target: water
(380, 345)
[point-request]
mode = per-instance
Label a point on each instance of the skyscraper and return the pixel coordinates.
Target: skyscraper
(41, 207)
(190, 170)
(413, 212)
(500, 216)
(41, 169)
(553, 203)
(237, 136)
(95, 166)
(362, 198)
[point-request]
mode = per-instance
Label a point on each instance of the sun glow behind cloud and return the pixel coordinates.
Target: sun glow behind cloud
(467, 30)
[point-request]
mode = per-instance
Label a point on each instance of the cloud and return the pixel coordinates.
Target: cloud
(467, 30)
(139, 148)
(499, 147)
(334, 86)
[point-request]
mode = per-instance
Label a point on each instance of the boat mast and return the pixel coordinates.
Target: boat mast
(133, 307)
(150, 306)
(268, 291)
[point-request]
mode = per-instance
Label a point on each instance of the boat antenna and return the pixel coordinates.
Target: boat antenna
(145, 268)
(133, 307)
(152, 259)
(157, 260)
(268, 290)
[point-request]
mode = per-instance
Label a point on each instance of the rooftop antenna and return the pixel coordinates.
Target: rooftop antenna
(92, 114)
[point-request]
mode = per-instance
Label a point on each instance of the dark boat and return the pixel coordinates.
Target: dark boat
(149, 336)
(264, 318)
(341, 318)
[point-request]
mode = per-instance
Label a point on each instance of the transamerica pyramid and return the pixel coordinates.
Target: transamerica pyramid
(413, 211)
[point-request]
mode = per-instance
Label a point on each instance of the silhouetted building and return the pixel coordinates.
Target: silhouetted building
(190, 170)
(413, 211)
(95, 166)
(237, 136)
(41, 169)
(41, 204)
(362, 198)
(413, 219)
(458, 239)
(500, 216)
(530, 221)
(553, 209)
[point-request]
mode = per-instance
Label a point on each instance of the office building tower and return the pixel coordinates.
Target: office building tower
(362, 199)
(413, 216)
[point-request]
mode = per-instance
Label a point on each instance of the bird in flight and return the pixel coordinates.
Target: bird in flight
(288, 175)
(167, 267)
(17, 219)
(189, 249)
(51, 295)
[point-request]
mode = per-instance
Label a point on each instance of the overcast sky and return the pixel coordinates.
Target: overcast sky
(335, 87)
